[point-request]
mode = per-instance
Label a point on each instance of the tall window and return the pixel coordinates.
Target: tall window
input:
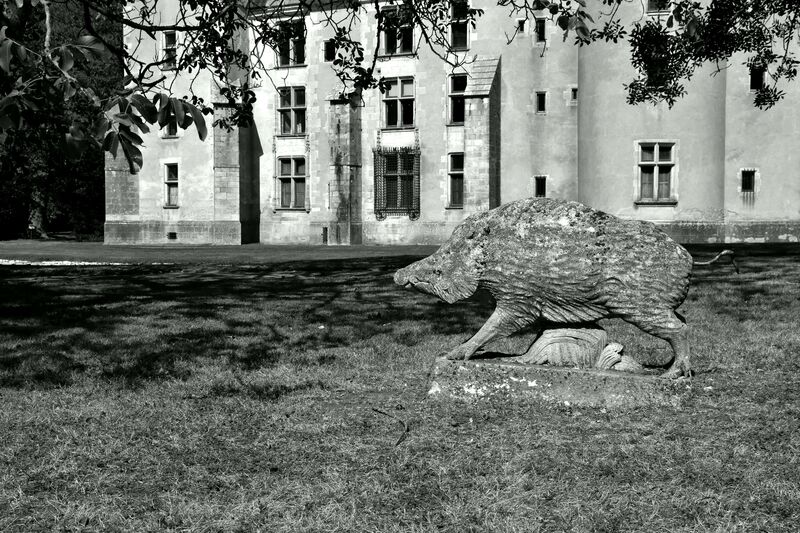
(398, 36)
(292, 182)
(292, 110)
(397, 182)
(656, 164)
(541, 102)
(171, 185)
(330, 51)
(458, 84)
(757, 78)
(292, 44)
(456, 175)
(169, 50)
(748, 180)
(398, 102)
(540, 186)
(541, 36)
(459, 37)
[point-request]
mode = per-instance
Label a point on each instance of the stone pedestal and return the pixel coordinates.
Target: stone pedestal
(510, 378)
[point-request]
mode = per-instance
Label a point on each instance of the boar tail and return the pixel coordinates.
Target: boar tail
(717, 257)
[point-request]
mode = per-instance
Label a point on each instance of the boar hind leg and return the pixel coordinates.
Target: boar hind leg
(673, 329)
(500, 324)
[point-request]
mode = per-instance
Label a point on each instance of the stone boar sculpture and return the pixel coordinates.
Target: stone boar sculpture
(551, 261)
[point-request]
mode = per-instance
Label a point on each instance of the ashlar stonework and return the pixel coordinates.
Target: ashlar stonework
(552, 262)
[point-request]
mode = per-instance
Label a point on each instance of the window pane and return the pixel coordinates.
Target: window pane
(540, 27)
(390, 39)
(664, 173)
(172, 172)
(460, 10)
(286, 193)
(540, 187)
(285, 167)
(648, 152)
(391, 113)
(654, 6)
(459, 35)
(172, 194)
(170, 39)
(406, 40)
(300, 166)
(392, 89)
(299, 51)
(285, 97)
(456, 162)
(300, 121)
(391, 191)
(458, 84)
(407, 88)
(407, 191)
(286, 122)
(330, 50)
(391, 163)
(541, 102)
(299, 193)
(299, 97)
(756, 78)
(408, 112)
(172, 129)
(283, 53)
(647, 183)
(457, 113)
(456, 189)
(748, 180)
(665, 152)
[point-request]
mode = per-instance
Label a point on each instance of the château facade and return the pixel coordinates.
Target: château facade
(534, 117)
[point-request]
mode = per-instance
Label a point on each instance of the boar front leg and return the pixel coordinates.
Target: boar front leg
(501, 324)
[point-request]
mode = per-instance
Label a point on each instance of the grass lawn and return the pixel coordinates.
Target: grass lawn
(270, 397)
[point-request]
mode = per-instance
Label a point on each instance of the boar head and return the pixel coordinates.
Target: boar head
(453, 272)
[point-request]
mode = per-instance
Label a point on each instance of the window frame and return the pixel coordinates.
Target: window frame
(292, 178)
(452, 175)
(537, 179)
(465, 22)
(386, 100)
(325, 44)
(169, 63)
(657, 163)
(754, 72)
(456, 99)
(408, 169)
(294, 42)
(540, 30)
(654, 10)
(294, 110)
(171, 183)
(401, 47)
(543, 96)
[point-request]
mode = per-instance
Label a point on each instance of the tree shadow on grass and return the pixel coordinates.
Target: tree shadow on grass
(139, 323)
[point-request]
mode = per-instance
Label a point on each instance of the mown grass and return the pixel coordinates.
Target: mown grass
(269, 398)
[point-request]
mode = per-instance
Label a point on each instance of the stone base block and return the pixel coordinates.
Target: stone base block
(509, 378)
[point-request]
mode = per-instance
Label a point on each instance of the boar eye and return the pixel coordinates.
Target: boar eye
(437, 271)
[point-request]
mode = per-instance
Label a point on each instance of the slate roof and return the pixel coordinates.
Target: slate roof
(482, 72)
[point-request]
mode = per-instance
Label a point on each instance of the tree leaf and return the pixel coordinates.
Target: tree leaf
(111, 143)
(177, 108)
(128, 135)
(100, 127)
(144, 107)
(132, 154)
(199, 122)
(67, 61)
(5, 55)
(123, 118)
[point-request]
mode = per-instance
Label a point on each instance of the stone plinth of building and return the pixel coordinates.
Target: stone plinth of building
(510, 378)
